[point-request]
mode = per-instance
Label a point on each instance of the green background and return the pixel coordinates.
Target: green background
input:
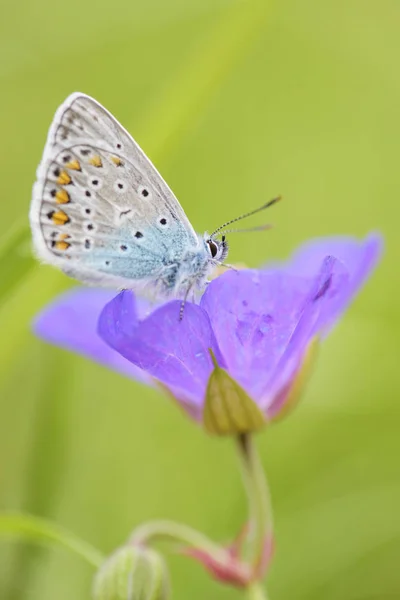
(235, 102)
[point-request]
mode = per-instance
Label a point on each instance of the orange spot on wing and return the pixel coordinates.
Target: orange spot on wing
(61, 245)
(117, 161)
(62, 197)
(59, 217)
(74, 165)
(95, 161)
(64, 178)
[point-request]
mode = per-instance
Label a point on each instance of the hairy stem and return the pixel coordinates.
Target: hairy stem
(260, 511)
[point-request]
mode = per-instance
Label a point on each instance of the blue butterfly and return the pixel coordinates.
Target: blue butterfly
(103, 214)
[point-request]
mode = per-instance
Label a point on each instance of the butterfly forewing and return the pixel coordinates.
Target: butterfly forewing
(100, 210)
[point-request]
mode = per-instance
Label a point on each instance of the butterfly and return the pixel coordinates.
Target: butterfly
(103, 214)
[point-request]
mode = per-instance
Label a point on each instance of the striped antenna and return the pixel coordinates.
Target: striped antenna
(249, 214)
(248, 229)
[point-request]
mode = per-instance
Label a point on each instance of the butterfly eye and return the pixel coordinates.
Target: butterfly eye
(213, 248)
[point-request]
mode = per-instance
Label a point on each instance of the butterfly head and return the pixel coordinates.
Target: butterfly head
(217, 249)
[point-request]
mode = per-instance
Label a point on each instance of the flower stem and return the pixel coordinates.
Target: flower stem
(216, 558)
(224, 562)
(260, 512)
(40, 530)
(175, 532)
(256, 592)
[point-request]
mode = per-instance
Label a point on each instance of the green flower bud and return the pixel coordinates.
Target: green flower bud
(228, 409)
(132, 573)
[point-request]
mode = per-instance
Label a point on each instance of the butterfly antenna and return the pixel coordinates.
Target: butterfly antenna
(248, 229)
(249, 214)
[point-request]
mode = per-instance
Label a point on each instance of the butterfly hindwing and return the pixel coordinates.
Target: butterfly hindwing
(100, 209)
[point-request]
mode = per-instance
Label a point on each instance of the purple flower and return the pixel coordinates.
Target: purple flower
(71, 322)
(257, 324)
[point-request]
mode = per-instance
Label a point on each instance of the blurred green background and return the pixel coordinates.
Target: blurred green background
(235, 101)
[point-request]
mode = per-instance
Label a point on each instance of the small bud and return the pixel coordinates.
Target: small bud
(132, 573)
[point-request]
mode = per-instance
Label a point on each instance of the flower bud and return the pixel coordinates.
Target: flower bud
(132, 573)
(228, 409)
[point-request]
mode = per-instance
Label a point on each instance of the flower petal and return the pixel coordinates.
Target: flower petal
(265, 320)
(174, 352)
(253, 315)
(289, 395)
(326, 293)
(71, 322)
(359, 258)
(338, 281)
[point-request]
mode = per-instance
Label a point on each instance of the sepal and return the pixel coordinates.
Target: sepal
(228, 409)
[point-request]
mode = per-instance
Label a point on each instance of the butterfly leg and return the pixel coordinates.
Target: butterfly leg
(182, 308)
(228, 266)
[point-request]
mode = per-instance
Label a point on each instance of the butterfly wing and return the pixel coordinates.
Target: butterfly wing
(100, 210)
